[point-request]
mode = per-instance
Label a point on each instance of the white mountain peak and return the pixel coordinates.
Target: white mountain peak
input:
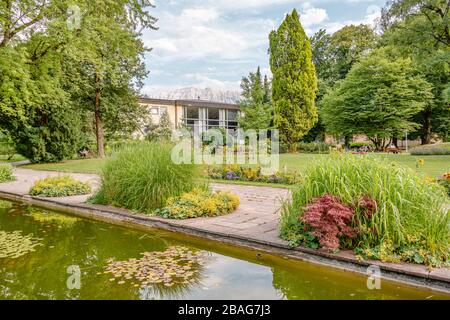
(209, 94)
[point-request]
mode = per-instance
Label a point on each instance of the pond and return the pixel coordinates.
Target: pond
(47, 255)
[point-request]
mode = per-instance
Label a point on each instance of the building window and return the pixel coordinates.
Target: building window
(232, 119)
(213, 118)
(162, 110)
(154, 111)
(210, 118)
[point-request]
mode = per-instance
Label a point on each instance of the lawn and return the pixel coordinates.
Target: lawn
(77, 166)
(435, 166)
(15, 158)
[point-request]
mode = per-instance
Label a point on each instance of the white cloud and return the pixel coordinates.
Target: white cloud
(313, 16)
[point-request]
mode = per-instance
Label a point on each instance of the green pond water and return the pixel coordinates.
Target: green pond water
(41, 253)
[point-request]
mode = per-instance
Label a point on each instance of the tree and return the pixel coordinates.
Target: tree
(57, 70)
(256, 105)
(420, 28)
(161, 131)
(294, 83)
(112, 68)
(378, 98)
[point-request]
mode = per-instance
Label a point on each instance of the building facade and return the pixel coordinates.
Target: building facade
(189, 113)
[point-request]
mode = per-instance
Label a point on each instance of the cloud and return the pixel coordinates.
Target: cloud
(213, 43)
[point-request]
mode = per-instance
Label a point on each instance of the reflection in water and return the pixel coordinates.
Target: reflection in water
(159, 265)
(177, 267)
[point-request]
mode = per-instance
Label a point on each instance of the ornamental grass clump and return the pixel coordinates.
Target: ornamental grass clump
(62, 186)
(142, 177)
(6, 173)
(397, 215)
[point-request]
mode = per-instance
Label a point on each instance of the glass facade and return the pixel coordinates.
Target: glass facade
(210, 118)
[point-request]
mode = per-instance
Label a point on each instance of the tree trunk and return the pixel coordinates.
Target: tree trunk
(426, 128)
(395, 141)
(98, 123)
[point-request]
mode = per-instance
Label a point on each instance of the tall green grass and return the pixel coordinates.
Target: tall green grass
(411, 211)
(142, 177)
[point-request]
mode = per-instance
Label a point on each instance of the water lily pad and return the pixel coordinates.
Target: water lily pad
(14, 245)
(176, 265)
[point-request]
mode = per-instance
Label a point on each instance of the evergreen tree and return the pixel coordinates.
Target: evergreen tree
(256, 105)
(294, 83)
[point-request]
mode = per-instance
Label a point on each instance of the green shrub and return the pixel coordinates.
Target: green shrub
(199, 203)
(62, 186)
(432, 149)
(411, 217)
(355, 145)
(314, 147)
(142, 177)
(6, 173)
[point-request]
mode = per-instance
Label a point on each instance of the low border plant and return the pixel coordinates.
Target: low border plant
(6, 173)
(398, 216)
(61, 186)
(199, 203)
(249, 174)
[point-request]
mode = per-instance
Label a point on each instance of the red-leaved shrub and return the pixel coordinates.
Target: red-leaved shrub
(329, 219)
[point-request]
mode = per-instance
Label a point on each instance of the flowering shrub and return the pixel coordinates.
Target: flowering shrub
(199, 203)
(6, 173)
(62, 186)
(329, 219)
(236, 173)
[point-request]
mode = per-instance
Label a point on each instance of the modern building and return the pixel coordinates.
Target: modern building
(189, 113)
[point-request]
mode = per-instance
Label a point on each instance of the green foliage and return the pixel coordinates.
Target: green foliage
(6, 173)
(142, 177)
(411, 214)
(199, 203)
(47, 106)
(256, 105)
(62, 186)
(431, 149)
(294, 83)
(355, 145)
(314, 147)
(161, 131)
(420, 29)
(378, 98)
(445, 182)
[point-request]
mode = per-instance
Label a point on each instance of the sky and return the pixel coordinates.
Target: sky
(214, 43)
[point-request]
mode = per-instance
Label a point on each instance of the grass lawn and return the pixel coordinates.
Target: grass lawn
(76, 166)
(17, 157)
(435, 166)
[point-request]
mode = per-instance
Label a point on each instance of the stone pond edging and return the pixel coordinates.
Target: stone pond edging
(416, 275)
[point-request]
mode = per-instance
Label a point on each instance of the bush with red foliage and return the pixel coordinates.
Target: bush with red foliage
(329, 219)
